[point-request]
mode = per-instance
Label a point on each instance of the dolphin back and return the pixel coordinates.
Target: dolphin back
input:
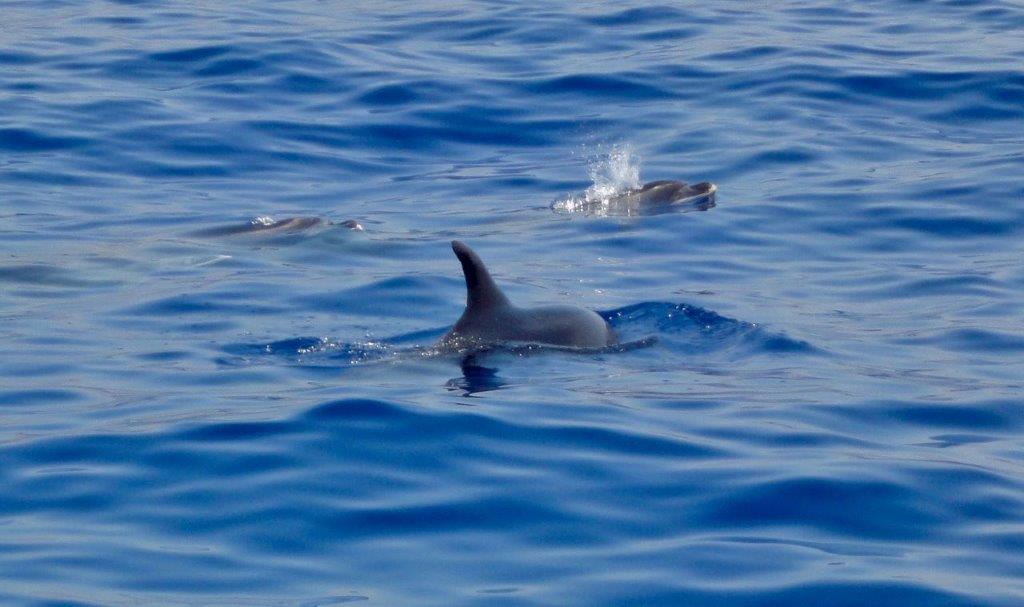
(489, 317)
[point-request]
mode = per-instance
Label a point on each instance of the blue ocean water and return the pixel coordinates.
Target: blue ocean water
(821, 404)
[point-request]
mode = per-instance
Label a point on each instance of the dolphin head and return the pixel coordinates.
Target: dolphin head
(663, 192)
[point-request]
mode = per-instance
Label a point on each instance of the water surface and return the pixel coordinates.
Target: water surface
(826, 408)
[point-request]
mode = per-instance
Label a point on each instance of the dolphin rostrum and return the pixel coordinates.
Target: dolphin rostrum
(491, 318)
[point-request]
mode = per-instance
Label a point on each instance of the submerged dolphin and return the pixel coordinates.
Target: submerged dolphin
(267, 227)
(491, 318)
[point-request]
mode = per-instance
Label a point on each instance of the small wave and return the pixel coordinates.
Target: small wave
(681, 328)
(686, 329)
(310, 351)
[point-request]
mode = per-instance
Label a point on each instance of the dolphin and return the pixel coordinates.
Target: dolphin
(665, 192)
(265, 226)
(653, 198)
(490, 318)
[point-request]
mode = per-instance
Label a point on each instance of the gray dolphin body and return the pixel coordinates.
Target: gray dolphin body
(284, 227)
(652, 198)
(490, 318)
(665, 192)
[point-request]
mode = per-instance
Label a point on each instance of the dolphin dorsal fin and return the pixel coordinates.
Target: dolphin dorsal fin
(481, 292)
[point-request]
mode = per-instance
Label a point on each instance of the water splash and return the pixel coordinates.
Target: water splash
(612, 172)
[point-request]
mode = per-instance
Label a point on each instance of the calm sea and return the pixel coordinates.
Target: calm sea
(824, 401)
